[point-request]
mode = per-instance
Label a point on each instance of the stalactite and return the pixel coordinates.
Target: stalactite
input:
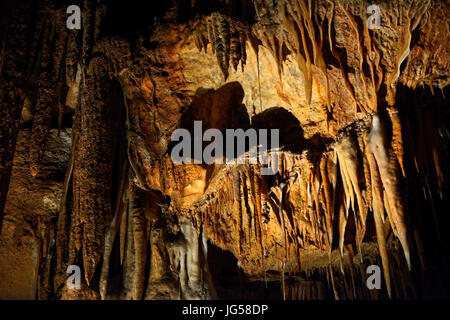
(191, 263)
(352, 275)
(362, 145)
(88, 18)
(397, 140)
(317, 50)
(112, 231)
(59, 61)
(342, 224)
(387, 208)
(49, 92)
(269, 41)
(335, 292)
(251, 189)
(370, 56)
(328, 199)
(44, 280)
(46, 94)
(378, 213)
(359, 67)
(206, 274)
(14, 53)
(198, 43)
(419, 248)
(109, 241)
(221, 31)
(210, 32)
(304, 62)
(123, 230)
(244, 214)
(257, 190)
(346, 150)
(401, 275)
(278, 193)
(249, 204)
(129, 262)
(71, 57)
(40, 15)
(76, 230)
(315, 185)
(63, 224)
(235, 47)
(376, 142)
(243, 45)
(138, 223)
(94, 163)
(413, 18)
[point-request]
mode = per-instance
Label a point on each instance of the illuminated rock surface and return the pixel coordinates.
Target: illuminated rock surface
(86, 176)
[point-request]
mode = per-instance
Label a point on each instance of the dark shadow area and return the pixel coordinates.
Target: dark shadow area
(425, 119)
(291, 133)
(223, 109)
(231, 283)
(243, 10)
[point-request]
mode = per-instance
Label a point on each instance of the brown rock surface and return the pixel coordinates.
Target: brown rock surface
(364, 150)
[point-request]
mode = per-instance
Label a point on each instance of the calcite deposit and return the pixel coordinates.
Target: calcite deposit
(87, 176)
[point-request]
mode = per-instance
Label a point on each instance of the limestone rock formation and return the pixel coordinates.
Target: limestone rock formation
(87, 177)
